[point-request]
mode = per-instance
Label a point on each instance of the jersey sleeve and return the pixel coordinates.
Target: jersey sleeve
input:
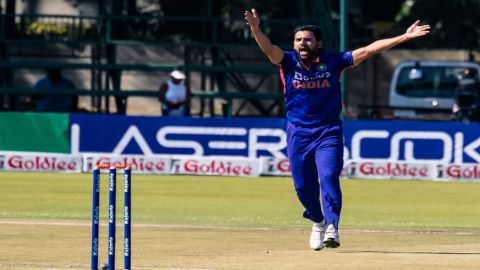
(287, 59)
(345, 59)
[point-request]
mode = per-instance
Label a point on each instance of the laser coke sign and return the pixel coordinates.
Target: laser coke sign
(391, 170)
(213, 166)
(138, 164)
(40, 162)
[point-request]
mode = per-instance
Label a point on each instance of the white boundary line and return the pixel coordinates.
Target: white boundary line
(247, 228)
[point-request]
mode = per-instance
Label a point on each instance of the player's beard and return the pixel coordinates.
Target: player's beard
(311, 54)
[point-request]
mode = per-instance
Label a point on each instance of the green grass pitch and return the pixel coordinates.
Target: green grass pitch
(262, 201)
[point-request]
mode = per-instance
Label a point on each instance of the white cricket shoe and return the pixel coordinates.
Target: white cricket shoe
(331, 239)
(316, 238)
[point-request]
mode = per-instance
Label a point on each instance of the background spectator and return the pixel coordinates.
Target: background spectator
(54, 102)
(175, 95)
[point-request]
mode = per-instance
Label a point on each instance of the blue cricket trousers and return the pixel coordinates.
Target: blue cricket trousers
(317, 153)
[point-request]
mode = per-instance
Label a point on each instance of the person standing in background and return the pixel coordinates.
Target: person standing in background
(175, 95)
(54, 102)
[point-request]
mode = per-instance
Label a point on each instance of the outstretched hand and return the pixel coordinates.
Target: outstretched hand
(252, 18)
(416, 30)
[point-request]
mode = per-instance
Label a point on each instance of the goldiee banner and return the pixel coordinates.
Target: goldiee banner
(391, 170)
(275, 166)
(40, 162)
(138, 163)
(211, 166)
(243, 167)
(411, 171)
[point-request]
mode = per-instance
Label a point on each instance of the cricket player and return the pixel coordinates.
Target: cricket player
(311, 77)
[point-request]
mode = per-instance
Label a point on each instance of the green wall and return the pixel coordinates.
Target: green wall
(36, 132)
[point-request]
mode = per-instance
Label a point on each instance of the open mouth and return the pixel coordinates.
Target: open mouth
(304, 51)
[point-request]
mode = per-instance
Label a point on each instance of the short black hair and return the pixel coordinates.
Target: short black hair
(315, 29)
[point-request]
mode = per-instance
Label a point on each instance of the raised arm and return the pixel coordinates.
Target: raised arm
(414, 31)
(274, 53)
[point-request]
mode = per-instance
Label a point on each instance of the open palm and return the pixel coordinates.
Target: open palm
(416, 30)
(252, 18)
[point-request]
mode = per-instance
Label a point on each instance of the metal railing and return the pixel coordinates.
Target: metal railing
(138, 29)
(102, 32)
(202, 95)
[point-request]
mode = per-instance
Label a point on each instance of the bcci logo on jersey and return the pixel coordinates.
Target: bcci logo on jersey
(321, 67)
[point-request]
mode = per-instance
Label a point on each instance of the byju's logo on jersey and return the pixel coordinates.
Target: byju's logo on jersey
(304, 82)
(321, 67)
(298, 76)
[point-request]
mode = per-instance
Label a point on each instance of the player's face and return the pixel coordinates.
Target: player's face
(305, 44)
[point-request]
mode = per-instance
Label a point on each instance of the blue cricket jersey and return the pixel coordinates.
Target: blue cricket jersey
(312, 93)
